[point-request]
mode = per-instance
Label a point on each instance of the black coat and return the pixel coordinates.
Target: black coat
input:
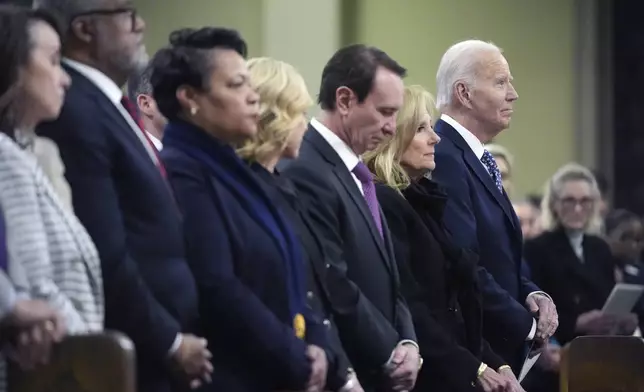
(440, 285)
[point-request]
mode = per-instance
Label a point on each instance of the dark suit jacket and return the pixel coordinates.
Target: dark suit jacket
(371, 314)
(241, 276)
(575, 287)
(127, 208)
(318, 298)
(481, 218)
(440, 285)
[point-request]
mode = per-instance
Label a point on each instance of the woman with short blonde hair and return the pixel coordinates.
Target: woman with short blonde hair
(283, 103)
(552, 202)
(438, 280)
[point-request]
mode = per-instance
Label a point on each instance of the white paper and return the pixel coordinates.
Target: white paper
(529, 362)
(623, 298)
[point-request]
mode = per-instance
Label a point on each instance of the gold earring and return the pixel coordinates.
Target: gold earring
(193, 111)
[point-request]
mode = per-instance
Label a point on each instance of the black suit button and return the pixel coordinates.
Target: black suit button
(326, 323)
(309, 295)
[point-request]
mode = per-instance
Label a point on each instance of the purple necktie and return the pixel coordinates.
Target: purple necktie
(4, 262)
(366, 179)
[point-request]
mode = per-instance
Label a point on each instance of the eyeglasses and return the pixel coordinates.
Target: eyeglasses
(133, 14)
(571, 202)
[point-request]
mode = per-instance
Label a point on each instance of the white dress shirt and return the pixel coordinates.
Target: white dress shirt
(346, 154)
(155, 140)
(478, 149)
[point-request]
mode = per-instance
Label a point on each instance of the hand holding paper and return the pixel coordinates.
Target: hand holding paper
(546, 315)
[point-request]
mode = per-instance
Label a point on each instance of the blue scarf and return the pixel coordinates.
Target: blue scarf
(222, 162)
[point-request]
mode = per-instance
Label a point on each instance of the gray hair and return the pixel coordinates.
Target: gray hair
(459, 64)
(66, 10)
(554, 187)
(139, 83)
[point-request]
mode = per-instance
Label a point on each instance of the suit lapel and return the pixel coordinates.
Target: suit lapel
(122, 122)
(345, 178)
(475, 165)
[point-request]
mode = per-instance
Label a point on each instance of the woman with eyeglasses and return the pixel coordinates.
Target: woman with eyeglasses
(570, 261)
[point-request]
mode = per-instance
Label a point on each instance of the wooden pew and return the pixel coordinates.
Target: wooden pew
(603, 364)
(92, 363)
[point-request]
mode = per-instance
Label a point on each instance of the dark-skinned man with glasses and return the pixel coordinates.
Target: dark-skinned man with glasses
(121, 196)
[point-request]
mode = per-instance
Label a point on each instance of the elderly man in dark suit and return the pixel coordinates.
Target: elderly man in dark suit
(120, 195)
(475, 96)
(360, 94)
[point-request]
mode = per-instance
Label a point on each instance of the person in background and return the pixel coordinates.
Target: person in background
(244, 253)
(571, 260)
(283, 102)
(476, 98)
(360, 94)
(528, 216)
(140, 91)
(505, 162)
(624, 232)
(438, 279)
(121, 197)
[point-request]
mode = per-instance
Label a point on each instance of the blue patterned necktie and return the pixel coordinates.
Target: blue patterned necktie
(493, 169)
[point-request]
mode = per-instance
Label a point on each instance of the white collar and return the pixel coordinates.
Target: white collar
(102, 81)
(475, 144)
(155, 140)
(346, 154)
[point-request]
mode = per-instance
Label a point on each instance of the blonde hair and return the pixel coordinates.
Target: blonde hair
(283, 101)
(384, 161)
(569, 172)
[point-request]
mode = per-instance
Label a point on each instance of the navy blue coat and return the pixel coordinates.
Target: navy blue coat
(240, 275)
(480, 218)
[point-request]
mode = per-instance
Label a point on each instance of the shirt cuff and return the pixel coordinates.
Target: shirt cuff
(540, 293)
(175, 345)
(404, 341)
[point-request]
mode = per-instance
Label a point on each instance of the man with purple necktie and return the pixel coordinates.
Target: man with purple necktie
(360, 94)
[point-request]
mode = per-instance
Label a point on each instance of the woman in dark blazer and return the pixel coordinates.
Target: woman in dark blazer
(438, 280)
(244, 254)
(284, 100)
(571, 262)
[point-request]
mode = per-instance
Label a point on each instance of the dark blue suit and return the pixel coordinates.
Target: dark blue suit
(479, 217)
(239, 267)
(127, 208)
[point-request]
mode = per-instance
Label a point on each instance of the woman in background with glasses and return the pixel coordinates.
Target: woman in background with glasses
(570, 261)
